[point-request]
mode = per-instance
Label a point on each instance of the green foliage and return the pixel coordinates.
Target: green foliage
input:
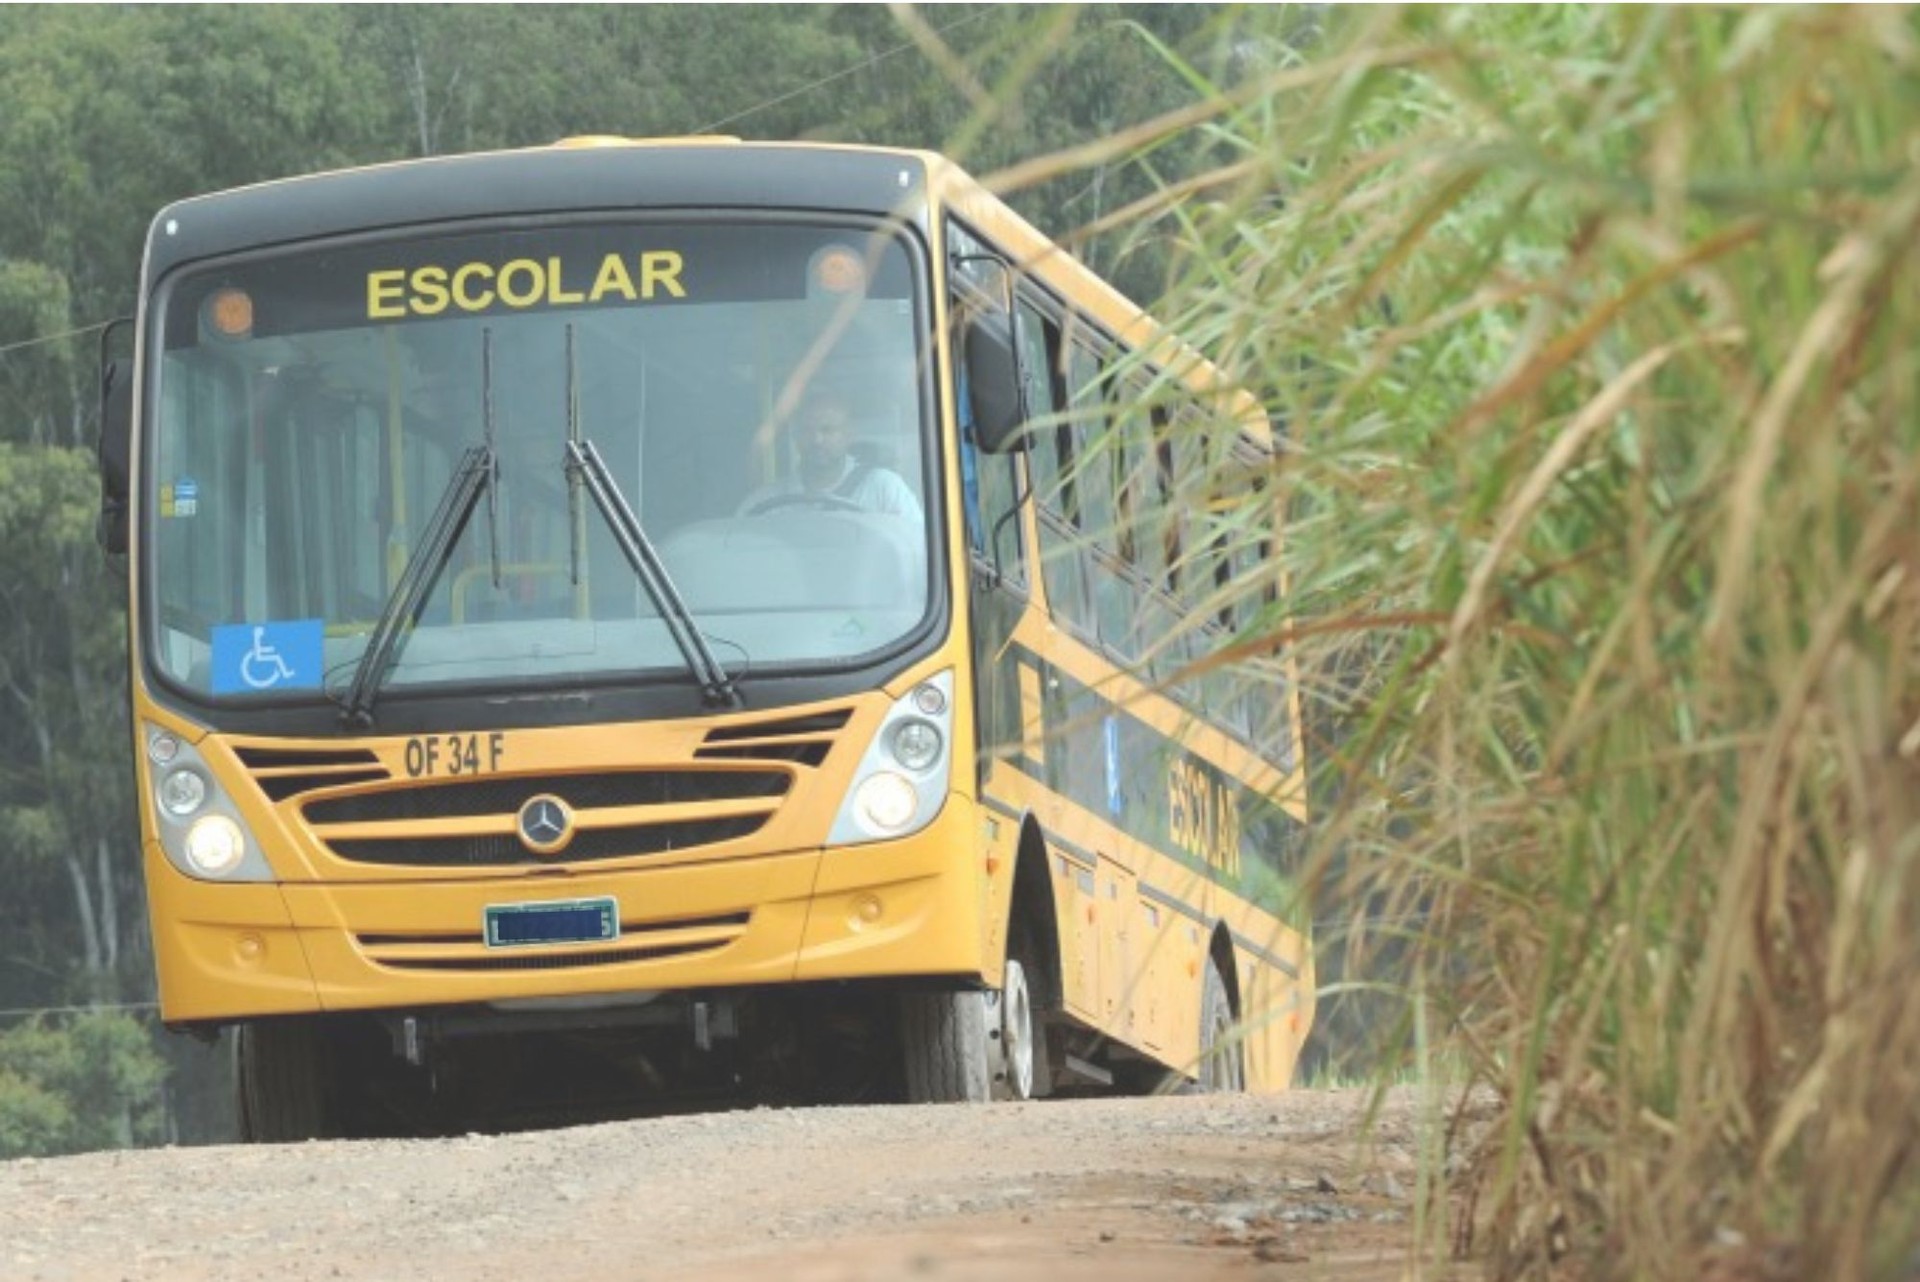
(1590, 335)
(92, 1082)
(33, 1119)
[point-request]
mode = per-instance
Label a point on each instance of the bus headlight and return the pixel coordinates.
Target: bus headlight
(887, 801)
(916, 743)
(183, 791)
(901, 782)
(199, 828)
(215, 845)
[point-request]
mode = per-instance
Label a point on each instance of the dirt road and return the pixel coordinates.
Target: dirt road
(1243, 1188)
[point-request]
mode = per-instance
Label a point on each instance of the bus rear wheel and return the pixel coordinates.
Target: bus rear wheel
(1223, 1056)
(280, 1081)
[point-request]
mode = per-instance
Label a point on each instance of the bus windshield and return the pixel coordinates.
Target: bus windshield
(755, 388)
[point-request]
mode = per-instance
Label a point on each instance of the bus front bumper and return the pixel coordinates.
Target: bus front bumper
(897, 908)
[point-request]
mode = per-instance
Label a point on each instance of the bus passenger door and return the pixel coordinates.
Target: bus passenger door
(997, 590)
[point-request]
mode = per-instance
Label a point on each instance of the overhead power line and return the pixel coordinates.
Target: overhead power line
(20, 1011)
(742, 114)
(842, 74)
(94, 328)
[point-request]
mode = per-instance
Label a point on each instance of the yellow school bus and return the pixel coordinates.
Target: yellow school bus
(685, 613)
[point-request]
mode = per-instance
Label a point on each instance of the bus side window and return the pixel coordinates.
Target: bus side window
(1098, 514)
(1092, 467)
(1062, 554)
(999, 497)
(989, 484)
(1129, 440)
(1039, 344)
(999, 478)
(1171, 449)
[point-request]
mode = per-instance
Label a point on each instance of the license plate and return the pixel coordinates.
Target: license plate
(567, 921)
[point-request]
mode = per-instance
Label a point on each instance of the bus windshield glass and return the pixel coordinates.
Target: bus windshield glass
(755, 388)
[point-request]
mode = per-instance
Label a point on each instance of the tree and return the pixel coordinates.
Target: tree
(65, 804)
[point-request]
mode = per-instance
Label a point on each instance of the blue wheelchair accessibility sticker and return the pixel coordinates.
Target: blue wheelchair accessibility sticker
(253, 658)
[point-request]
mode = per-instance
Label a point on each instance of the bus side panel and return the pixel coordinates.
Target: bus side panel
(1277, 1002)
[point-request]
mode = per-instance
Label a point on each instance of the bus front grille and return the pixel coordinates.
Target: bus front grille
(288, 772)
(504, 795)
(615, 815)
(804, 740)
(491, 850)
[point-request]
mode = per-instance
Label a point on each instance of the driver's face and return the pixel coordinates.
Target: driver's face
(822, 437)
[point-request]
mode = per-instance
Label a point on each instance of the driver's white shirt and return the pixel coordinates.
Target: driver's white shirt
(877, 490)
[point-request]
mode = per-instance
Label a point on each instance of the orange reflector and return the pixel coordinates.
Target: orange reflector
(838, 270)
(230, 313)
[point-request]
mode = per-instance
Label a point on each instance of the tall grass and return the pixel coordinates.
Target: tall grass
(1591, 336)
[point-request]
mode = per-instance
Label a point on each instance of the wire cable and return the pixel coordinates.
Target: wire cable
(842, 74)
(53, 338)
(20, 1011)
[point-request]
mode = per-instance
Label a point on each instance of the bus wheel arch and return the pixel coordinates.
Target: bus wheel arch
(972, 1045)
(1221, 1062)
(1033, 943)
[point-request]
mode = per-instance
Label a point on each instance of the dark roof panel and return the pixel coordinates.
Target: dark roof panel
(533, 183)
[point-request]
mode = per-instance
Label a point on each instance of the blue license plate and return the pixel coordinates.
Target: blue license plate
(569, 921)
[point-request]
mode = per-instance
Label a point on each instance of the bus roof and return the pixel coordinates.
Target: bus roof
(538, 180)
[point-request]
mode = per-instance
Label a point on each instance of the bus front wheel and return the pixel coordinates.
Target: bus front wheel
(280, 1081)
(945, 1037)
(970, 1047)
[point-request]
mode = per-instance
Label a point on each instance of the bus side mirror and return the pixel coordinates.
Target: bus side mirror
(116, 435)
(996, 390)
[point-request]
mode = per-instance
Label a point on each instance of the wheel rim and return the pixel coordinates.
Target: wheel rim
(1229, 1069)
(1016, 1034)
(1224, 1065)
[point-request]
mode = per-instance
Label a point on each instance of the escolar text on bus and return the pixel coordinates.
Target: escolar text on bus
(1203, 816)
(520, 283)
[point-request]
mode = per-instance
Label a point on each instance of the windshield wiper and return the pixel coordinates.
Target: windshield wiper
(477, 471)
(584, 464)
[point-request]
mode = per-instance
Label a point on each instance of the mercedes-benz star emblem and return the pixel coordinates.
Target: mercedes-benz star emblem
(546, 824)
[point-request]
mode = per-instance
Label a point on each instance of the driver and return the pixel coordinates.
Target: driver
(826, 470)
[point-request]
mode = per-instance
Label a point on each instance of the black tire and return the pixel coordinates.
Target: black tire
(944, 1035)
(1223, 1056)
(280, 1079)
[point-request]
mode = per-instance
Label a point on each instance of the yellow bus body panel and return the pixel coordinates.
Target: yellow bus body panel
(889, 908)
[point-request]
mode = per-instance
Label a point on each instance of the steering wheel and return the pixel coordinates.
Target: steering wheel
(831, 502)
